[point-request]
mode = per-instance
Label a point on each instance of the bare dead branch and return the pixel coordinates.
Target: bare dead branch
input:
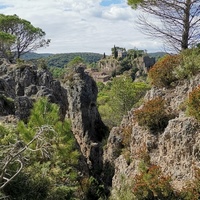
(14, 153)
(179, 21)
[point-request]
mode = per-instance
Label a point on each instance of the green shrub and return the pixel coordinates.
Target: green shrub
(57, 72)
(96, 190)
(42, 64)
(47, 172)
(61, 193)
(116, 100)
(28, 186)
(162, 73)
(190, 63)
(194, 102)
(150, 183)
(124, 192)
(153, 115)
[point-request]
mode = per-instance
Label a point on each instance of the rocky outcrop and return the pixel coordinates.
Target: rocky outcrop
(87, 126)
(21, 85)
(176, 150)
(108, 65)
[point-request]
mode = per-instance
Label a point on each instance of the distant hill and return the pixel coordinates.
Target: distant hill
(60, 60)
(157, 55)
(32, 55)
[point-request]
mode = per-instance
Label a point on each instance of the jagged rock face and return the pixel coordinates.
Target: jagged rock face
(25, 84)
(87, 126)
(21, 85)
(176, 150)
(179, 148)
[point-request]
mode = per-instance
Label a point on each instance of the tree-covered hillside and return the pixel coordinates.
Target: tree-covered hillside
(157, 55)
(32, 55)
(60, 60)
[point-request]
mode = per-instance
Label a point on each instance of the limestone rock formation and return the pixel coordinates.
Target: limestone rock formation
(21, 85)
(87, 126)
(176, 150)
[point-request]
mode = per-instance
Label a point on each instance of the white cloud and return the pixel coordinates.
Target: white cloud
(117, 13)
(81, 25)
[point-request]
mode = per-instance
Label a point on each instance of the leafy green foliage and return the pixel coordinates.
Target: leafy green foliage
(194, 102)
(33, 55)
(75, 61)
(157, 55)
(42, 64)
(27, 37)
(6, 40)
(162, 73)
(28, 186)
(114, 51)
(153, 115)
(134, 3)
(95, 190)
(150, 183)
(125, 192)
(190, 65)
(115, 100)
(126, 65)
(57, 73)
(50, 161)
(61, 60)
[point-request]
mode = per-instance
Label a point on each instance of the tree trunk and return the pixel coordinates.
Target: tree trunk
(186, 25)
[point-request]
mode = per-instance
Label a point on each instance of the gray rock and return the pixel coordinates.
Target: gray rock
(176, 150)
(29, 83)
(86, 121)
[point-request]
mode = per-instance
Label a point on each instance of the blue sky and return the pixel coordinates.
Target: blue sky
(110, 2)
(83, 25)
(3, 6)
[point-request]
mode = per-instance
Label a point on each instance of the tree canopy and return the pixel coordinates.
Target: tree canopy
(176, 22)
(38, 160)
(116, 99)
(6, 40)
(20, 36)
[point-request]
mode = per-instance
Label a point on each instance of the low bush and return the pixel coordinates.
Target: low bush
(190, 63)
(162, 73)
(193, 103)
(150, 183)
(153, 115)
(124, 192)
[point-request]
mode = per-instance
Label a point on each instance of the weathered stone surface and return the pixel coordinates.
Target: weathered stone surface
(25, 83)
(179, 148)
(87, 126)
(176, 150)
(77, 101)
(22, 107)
(30, 90)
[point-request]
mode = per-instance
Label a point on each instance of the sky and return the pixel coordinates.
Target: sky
(83, 25)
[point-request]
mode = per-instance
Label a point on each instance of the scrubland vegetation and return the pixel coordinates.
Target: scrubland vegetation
(39, 158)
(150, 183)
